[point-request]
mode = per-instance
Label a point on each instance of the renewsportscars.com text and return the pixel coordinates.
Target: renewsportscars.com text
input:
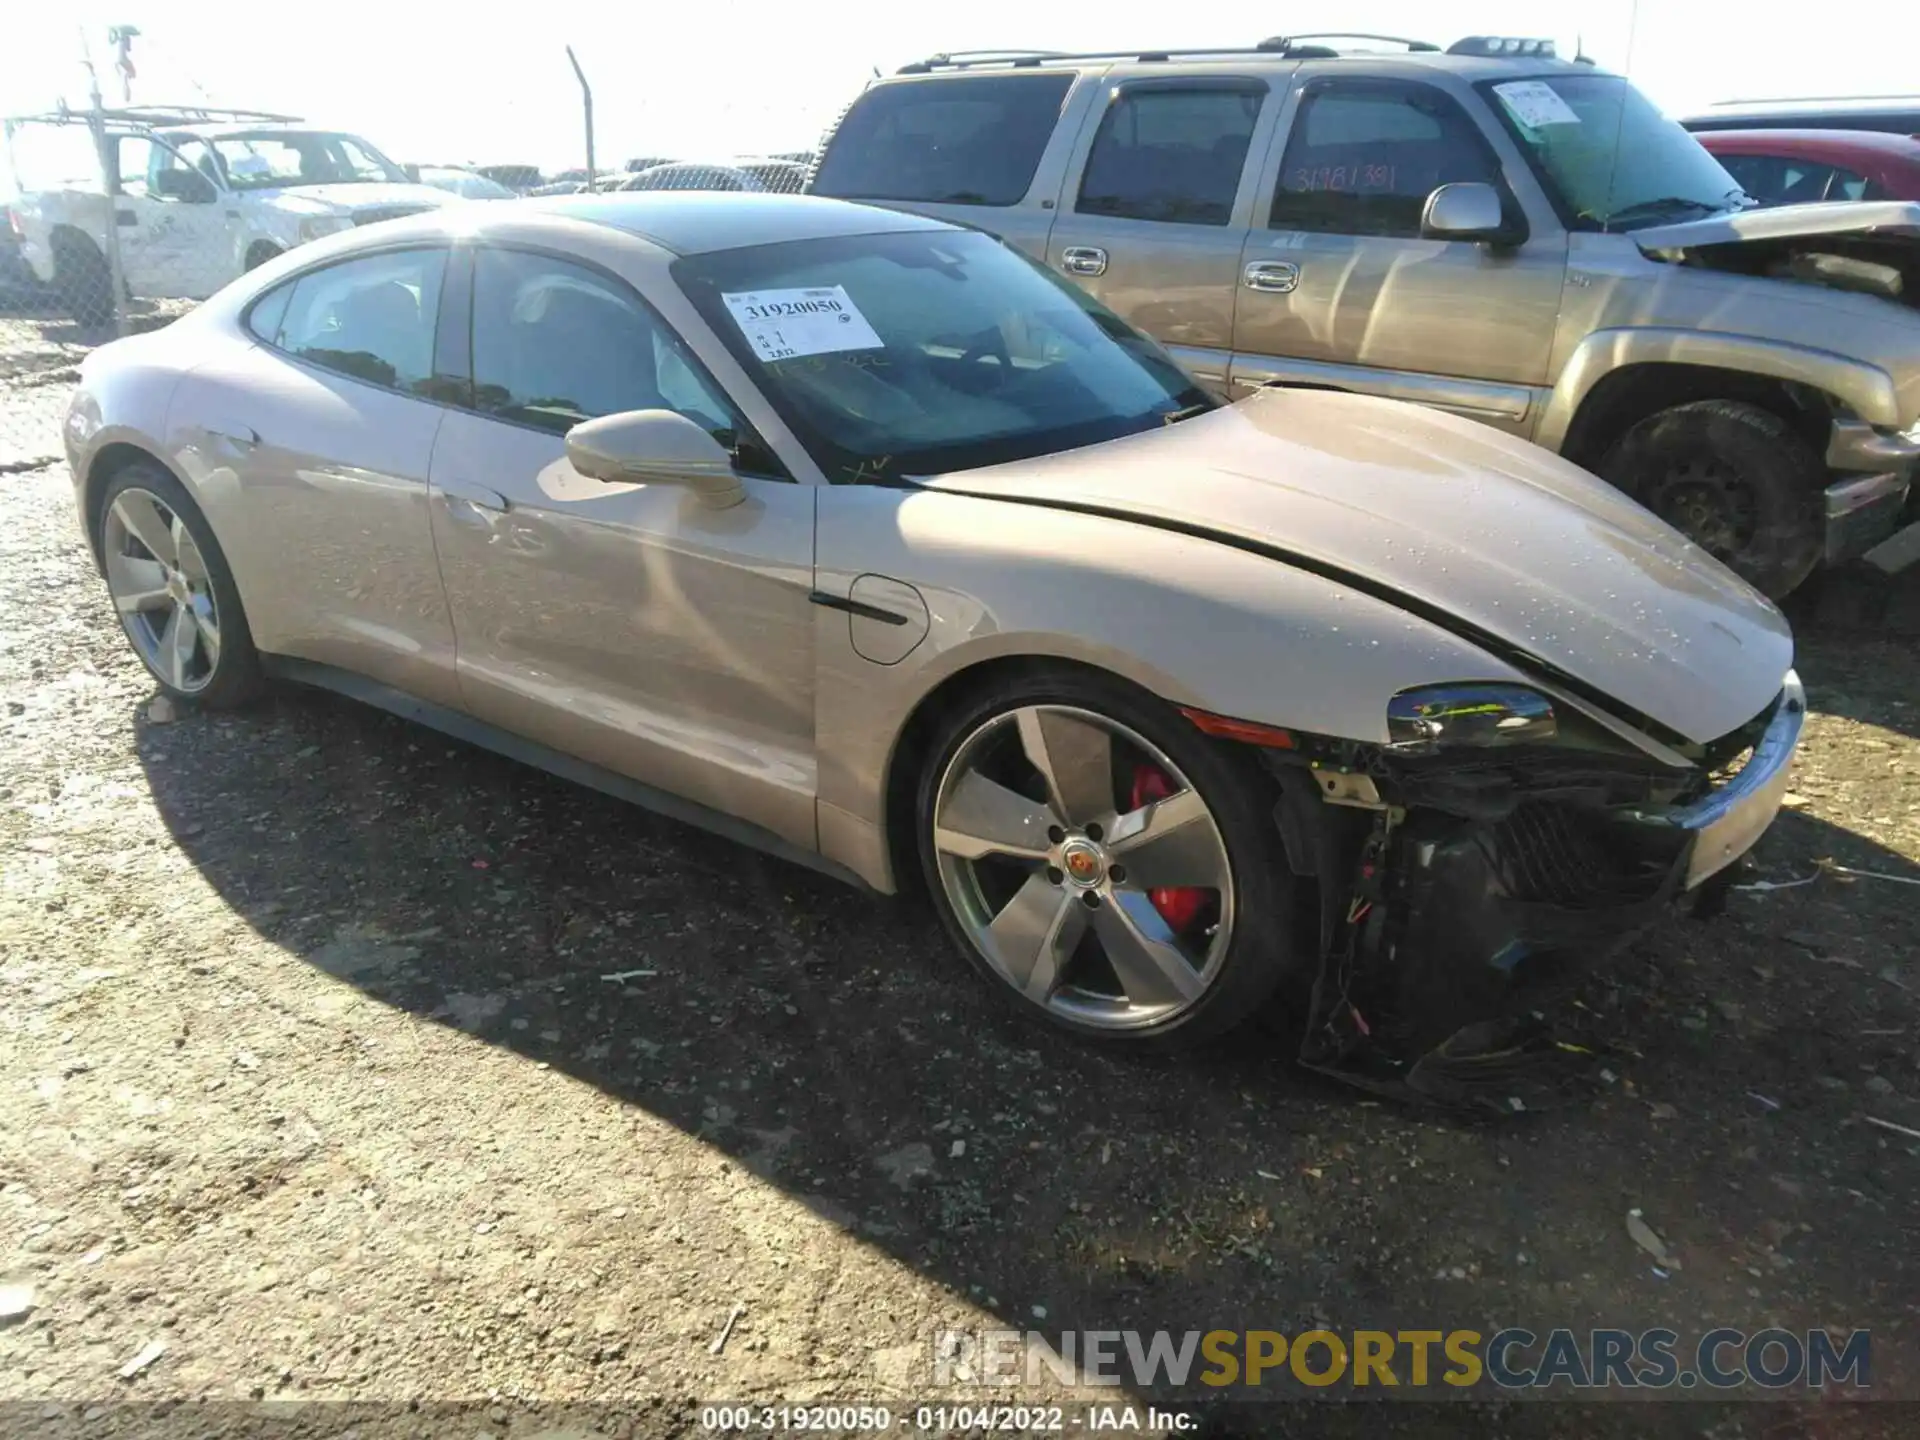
(1513, 1359)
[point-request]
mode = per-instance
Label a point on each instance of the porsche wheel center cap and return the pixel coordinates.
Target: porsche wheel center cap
(1082, 862)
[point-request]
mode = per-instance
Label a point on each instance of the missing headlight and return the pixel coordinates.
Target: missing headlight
(1476, 714)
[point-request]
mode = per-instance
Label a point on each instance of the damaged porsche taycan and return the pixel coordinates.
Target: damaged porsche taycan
(860, 538)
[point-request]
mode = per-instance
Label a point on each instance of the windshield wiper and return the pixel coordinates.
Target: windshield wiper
(1174, 417)
(1659, 207)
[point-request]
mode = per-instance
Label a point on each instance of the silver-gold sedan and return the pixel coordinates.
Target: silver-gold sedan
(861, 538)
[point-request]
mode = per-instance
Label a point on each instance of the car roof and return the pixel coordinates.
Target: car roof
(693, 222)
(1816, 141)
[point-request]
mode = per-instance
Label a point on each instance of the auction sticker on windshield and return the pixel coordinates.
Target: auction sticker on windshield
(1535, 103)
(781, 324)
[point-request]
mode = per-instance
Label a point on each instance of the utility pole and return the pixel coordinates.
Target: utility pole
(586, 104)
(108, 156)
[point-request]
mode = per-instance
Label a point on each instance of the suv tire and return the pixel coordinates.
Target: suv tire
(1734, 479)
(82, 281)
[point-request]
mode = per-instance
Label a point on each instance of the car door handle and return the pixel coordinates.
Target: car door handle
(1276, 277)
(125, 217)
(1083, 260)
(476, 495)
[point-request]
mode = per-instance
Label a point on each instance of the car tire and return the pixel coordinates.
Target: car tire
(1262, 952)
(220, 668)
(82, 282)
(260, 253)
(1734, 479)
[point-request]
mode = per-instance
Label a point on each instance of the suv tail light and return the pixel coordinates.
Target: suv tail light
(13, 224)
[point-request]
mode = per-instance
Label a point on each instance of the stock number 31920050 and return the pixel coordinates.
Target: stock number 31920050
(879, 1419)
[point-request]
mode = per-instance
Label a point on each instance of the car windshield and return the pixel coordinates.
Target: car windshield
(271, 159)
(1611, 159)
(913, 353)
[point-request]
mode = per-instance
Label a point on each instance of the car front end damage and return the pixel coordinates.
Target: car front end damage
(1495, 849)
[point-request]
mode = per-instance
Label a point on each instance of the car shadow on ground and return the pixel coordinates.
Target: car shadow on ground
(830, 1043)
(1857, 634)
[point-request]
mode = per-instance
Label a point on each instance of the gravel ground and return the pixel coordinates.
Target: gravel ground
(318, 1080)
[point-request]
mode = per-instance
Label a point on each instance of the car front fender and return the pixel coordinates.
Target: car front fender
(1200, 623)
(1868, 390)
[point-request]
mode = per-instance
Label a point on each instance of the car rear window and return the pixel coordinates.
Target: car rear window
(959, 140)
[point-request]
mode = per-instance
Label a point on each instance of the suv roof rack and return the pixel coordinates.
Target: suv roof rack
(153, 116)
(1024, 59)
(1310, 46)
(1285, 44)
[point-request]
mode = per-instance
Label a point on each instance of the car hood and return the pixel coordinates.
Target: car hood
(1785, 222)
(1497, 539)
(347, 198)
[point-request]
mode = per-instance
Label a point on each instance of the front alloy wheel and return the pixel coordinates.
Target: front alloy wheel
(1109, 868)
(1081, 901)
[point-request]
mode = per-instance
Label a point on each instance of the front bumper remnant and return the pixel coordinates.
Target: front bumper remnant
(1457, 928)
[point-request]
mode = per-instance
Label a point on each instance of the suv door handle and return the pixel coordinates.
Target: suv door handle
(1083, 260)
(1276, 277)
(477, 495)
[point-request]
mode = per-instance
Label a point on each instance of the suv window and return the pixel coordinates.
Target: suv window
(1363, 157)
(556, 343)
(1169, 154)
(965, 140)
(372, 318)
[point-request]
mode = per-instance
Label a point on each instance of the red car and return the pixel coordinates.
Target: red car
(1790, 167)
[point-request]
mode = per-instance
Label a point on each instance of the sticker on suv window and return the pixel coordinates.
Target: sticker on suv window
(1535, 103)
(782, 324)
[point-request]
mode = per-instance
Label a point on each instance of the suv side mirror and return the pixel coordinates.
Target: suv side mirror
(642, 447)
(1468, 210)
(189, 186)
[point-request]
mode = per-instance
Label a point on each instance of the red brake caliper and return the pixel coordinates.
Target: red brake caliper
(1179, 906)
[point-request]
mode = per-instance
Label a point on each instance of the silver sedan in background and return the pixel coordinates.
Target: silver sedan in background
(863, 539)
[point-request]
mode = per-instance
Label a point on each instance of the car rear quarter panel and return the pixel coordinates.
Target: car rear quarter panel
(1197, 622)
(123, 397)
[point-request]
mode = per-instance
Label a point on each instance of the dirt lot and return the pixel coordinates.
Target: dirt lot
(316, 1077)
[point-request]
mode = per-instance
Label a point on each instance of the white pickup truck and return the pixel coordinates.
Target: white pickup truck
(201, 197)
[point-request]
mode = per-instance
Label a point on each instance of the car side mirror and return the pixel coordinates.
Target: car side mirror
(412, 172)
(1468, 210)
(188, 186)
(644, 447)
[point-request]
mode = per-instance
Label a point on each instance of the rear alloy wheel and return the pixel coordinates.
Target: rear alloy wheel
(173, 592)
(1735, 480)
(1106, 865)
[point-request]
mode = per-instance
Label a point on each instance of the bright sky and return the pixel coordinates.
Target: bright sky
(490, 83)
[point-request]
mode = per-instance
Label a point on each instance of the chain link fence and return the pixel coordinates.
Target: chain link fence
(118, 220)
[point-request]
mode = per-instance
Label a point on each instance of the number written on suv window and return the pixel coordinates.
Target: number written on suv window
(1363, 158)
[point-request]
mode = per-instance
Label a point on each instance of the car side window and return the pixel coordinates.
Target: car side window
(1363, 157)
(371, 319)
(265, 316)
(1846, 185)
(1170, 154)
(134, 155)
(1758, 175)
(961, 139)
(556, 343)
